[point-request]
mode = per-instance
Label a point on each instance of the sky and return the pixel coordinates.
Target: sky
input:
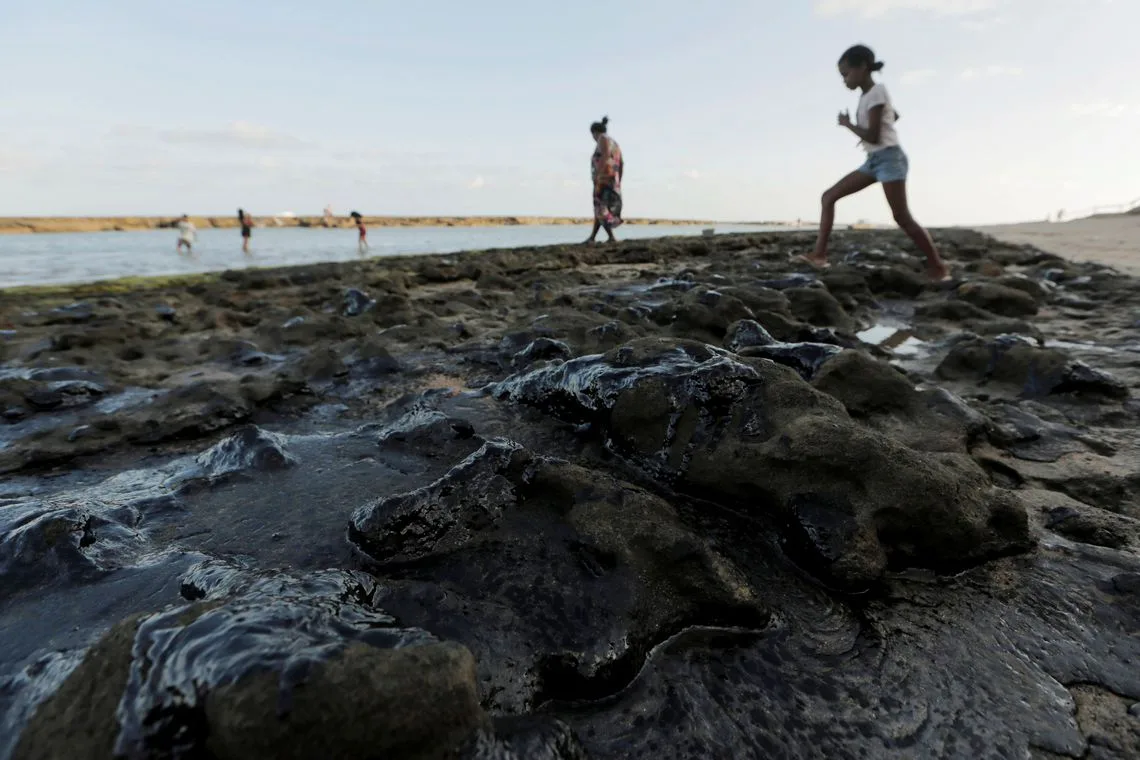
(725, 109)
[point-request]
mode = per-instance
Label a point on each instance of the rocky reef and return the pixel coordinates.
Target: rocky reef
(672, 498)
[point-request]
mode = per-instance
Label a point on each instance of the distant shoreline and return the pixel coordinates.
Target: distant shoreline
(48, 224)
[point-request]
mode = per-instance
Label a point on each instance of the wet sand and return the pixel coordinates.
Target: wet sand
(1111, 240)
(668, 498)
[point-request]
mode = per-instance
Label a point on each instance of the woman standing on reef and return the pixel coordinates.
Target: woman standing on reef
(606, 169)
(246, 222)
(874, 125)
(362, 241)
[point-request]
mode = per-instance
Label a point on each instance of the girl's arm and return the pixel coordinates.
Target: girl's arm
(873, 131)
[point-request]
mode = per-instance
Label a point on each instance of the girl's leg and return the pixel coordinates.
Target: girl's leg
(896, 197)
(609, 232)
(849, 185)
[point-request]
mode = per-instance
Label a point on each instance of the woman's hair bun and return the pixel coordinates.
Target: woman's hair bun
(605, 121)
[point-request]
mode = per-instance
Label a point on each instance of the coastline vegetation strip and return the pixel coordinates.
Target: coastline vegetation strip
(48, 224)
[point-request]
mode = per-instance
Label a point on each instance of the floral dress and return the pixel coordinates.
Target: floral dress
(606, 173)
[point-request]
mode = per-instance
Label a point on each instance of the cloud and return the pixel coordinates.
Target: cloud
(917, 75)
(992, 71)
(240, 134)
(477, 183)
(1110, 110)
(692, 174)
(876, 8)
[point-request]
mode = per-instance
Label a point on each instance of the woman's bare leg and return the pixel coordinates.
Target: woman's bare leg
(594, 232)
(609, 232)
(896, 196)
(849, 185)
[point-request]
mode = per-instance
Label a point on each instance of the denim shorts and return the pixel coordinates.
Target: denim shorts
(886, 165)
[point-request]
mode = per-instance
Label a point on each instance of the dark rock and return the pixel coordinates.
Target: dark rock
(42, 543)
(951, 311)
(541, 349)
(356, 302)
(818, 307)
(166, 313)
(1027, 436)
(189, 411)
(372, 359)
(895, 281)
(248, 354)
(288, 668)
(747, 333)
(15, 413)
(608, 335)
(794, 280)
(591, 572)
(44, 399)
(426, 430)
(998, 299)
(250, 448)
(1035, 371)
(753, 436)
(526, 738)
(1032, 288)
(879, 395)
(703, 314)
(805, 358)
(1128, 583)
(75, 313)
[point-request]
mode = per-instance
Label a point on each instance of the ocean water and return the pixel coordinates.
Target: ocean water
(69, 257)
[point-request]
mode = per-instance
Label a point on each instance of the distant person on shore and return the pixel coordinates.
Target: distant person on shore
(187, 234)
(246, 222)
(886, 162)
(606, 169)
(328, 215)
(362, 241)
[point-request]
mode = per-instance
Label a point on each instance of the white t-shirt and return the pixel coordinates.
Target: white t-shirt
(877, 96)
(186, 231)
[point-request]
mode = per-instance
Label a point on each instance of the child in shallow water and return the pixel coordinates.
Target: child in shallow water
(886, 162)
(362, 241)
(187, 234)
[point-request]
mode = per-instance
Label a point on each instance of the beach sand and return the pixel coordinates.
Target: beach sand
(1110, 240)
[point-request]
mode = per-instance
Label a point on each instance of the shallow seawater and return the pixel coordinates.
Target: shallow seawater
(67, 257)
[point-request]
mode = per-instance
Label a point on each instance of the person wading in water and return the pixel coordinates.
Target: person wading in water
(246, 222)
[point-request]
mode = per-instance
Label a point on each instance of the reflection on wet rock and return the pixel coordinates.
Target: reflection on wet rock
(250, 675)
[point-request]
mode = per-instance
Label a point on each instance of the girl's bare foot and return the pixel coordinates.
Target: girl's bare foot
(937, 270)
(815, 262)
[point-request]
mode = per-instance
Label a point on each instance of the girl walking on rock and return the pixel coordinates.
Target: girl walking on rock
(886, 162)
